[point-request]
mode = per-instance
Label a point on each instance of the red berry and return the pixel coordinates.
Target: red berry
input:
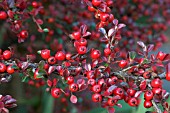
(104, 17)
(60, 55)
(96, 88)
(156, 83)
(10, 70)
(148, 95)
(2, 67)
(96, 97)
(90, 75)
(52, 60)
(119, 91)
(160, 55)
(100, 82)
(157, 90)
(92, 9)
(109, 2)
(73, 87)
(147, 104)
(70, 79)
(82, 42)
(133, 102)
(107, 51)
(56, 92)
(123, 63)
(23, 34)
(111, 102)
(34, 4)
(7, 54)
(168, 72)
(68, 56)
(95, 54)
(91, 82)
(131, 92)
(3, 15)
(76, 35)
(45, 54)
(81, 50)
(96, 2)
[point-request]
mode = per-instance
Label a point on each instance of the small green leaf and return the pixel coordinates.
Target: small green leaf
(15, 67)
(146, 61)
(41, 65)
(46, 30)
(16, 17)
(24, 79)
(30, 8)
(132, 55)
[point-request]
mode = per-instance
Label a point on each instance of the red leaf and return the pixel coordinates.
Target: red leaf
(73, 99)
(49, 83)
(87, 67)
(150, 47)
(115, 22)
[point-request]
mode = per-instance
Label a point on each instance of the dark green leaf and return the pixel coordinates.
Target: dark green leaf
(24, 79)
(132, 55)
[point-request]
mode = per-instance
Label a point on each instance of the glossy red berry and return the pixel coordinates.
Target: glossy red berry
(92, 9)
(82, 42)
(73, 87)
(168, 72)
(23, 34)
(81, 50)
(95, 54)
(60, 55)
(96, 2)
(160, 55)
(147, 104)
(2, 67)
(56, 92)
(68, 56)
(100, 82)
(157, 90)
(148, 95)
(156, 83)
(76, 35)
(10, 70)
(131, 92)
(7, 54)
(45, 54)
(133, 102)
(52, 60)
(96, 88)
(34, 4)
(123, 63)
(3, 15)
(119, 91)
(107, 51)
(90, 75)
(91, 82)
(70, 79)
(111, 102)
(96, 97)
(104, 17)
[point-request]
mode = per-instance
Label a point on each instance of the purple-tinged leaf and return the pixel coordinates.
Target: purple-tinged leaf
(106, 93)
(55, 81)
(80, 81)
(94, 63)
(111, 110)
(117, 97)
(115, 22)
(83, 29)
(24, 65)
(10, 101)
(111, 88)
(121, 25)
(150, 48)
(51, 69)
(73, 99)
(143, 85)
(111, 32)
(88, 3)
(102, 7)
(83, 87)
(102, 30)
(140, 43)
(1, 105)
(86, 34)
(167, 57)
(119, 105)
(152, 57)
(49, 83)
(59, 68)
(103, 39)
(137, 94)
(66, 73)
(87, 67)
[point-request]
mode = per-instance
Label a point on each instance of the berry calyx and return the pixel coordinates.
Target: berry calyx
(45, 54)
(56, 92)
